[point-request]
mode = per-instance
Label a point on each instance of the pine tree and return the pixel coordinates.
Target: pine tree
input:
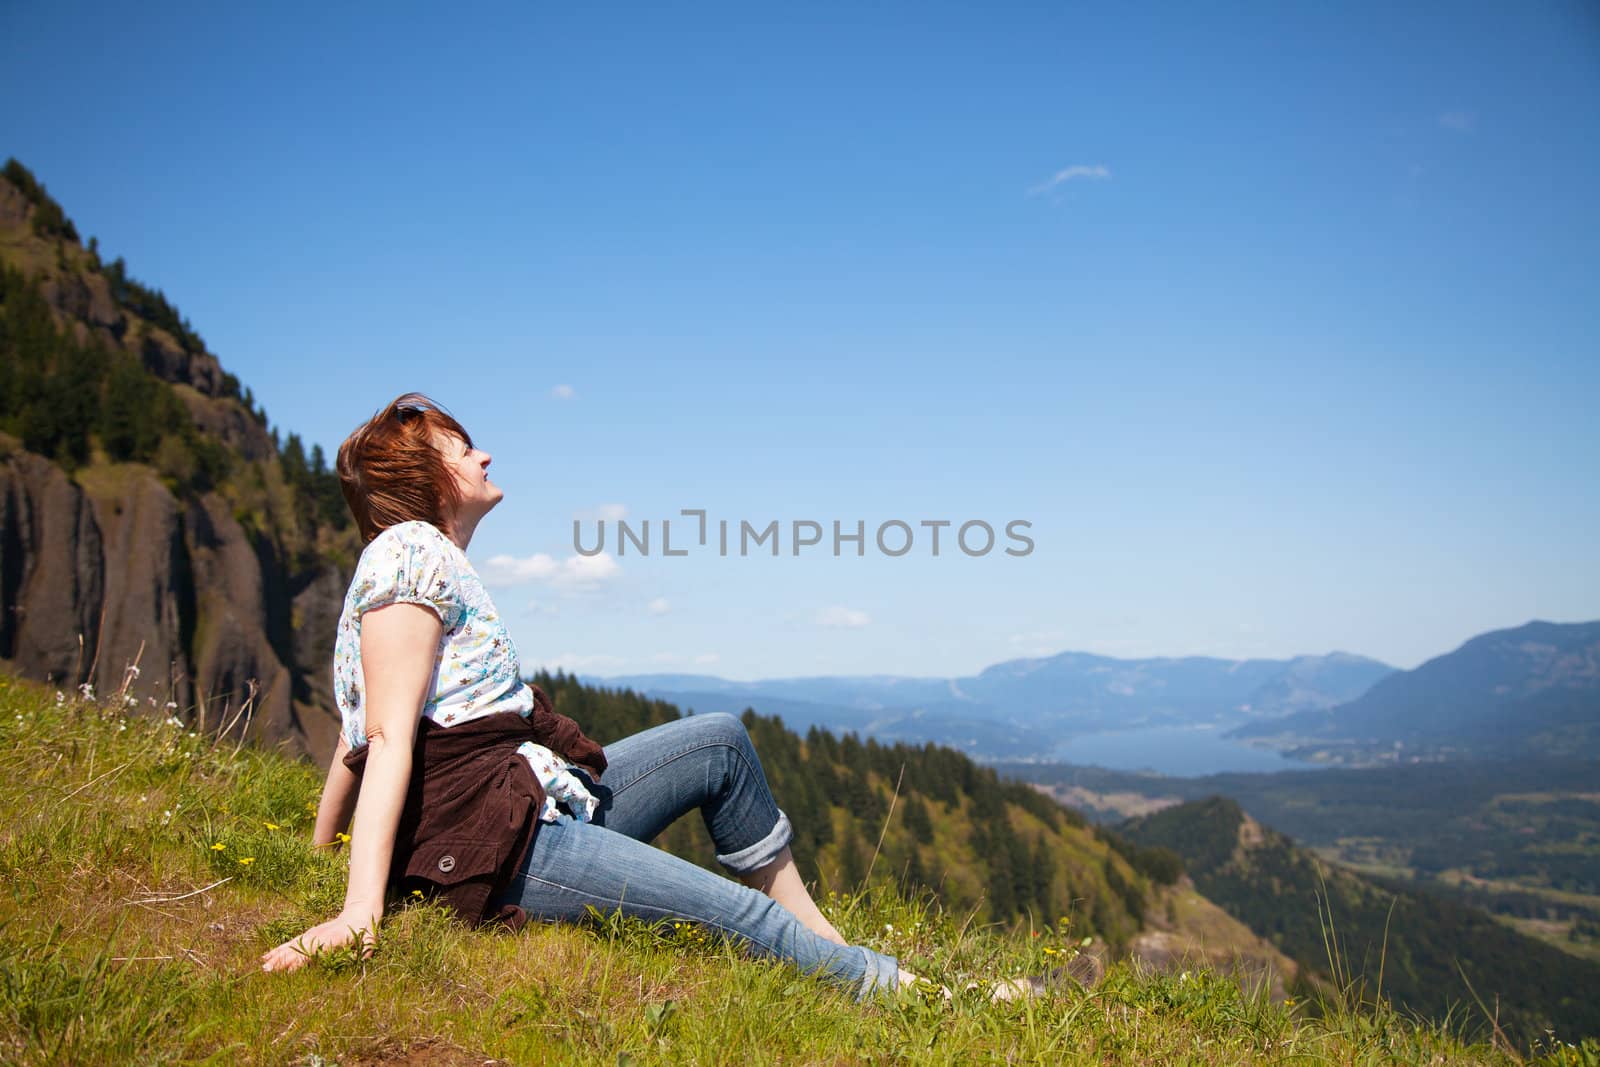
(918, 822)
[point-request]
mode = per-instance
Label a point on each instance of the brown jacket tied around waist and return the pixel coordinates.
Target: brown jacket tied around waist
(472, 805)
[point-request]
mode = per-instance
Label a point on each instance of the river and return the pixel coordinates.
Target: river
(1185, 751)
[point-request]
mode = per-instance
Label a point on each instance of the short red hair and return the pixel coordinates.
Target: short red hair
(391, 471)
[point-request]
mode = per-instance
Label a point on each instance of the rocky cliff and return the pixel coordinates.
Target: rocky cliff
(218, 596)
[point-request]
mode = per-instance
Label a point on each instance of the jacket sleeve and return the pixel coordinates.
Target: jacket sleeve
(560, 734)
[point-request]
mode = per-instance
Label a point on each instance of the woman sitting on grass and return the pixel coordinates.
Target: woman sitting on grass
(466, 785)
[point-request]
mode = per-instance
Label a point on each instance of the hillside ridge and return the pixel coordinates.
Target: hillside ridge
(150, 521)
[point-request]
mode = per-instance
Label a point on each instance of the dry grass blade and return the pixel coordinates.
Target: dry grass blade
(181, 896)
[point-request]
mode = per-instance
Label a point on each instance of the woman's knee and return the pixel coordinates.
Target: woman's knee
(723, 728)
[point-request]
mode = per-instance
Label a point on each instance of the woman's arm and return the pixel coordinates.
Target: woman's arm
(399, 644)
(338, 799)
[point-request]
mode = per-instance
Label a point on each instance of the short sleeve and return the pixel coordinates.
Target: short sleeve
(409, 564)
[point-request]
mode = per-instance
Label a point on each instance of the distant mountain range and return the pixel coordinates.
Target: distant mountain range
(1027, 707)
(1531, 690)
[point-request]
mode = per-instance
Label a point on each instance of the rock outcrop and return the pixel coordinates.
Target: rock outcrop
(52, 565)
(112, 571)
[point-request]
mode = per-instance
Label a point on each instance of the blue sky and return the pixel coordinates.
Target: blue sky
(1280, 326)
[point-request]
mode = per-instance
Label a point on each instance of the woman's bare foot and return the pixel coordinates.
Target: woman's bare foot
(914, 981)
(1084, 970)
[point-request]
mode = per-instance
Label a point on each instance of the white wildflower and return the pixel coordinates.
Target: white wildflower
(60, 697)
(86, 690)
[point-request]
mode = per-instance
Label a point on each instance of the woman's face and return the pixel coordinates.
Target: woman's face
(470, 467)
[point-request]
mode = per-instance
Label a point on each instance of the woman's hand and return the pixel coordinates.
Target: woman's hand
(339, 931)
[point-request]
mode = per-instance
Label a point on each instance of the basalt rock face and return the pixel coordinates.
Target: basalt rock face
(116, 571)
(147, 608)
(51, 570)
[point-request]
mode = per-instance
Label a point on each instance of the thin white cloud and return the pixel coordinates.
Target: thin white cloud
(706, 659)
(563, 392)
(1092, 172)
(840, 616)
(574, 572)
(658, 606)
(1459, 121)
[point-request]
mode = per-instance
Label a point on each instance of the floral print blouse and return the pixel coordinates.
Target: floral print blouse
(475, 671)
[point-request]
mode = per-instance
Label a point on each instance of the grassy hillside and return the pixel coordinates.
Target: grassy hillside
(149, 867)
(1425, 954)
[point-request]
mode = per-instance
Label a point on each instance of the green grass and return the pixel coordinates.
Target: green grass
(148, 868)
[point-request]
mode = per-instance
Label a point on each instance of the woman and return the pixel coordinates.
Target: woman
(463, 781)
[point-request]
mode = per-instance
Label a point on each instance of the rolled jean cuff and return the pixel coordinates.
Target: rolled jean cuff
(761, 853)
(882, 974)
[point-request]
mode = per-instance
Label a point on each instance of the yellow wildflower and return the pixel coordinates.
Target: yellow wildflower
(272, 826)
(246, 860)
(344, 839)
(218, 847)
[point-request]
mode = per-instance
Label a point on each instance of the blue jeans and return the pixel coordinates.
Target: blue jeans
(651, 778)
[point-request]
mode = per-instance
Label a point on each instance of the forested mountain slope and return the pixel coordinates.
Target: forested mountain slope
(1424, 953)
